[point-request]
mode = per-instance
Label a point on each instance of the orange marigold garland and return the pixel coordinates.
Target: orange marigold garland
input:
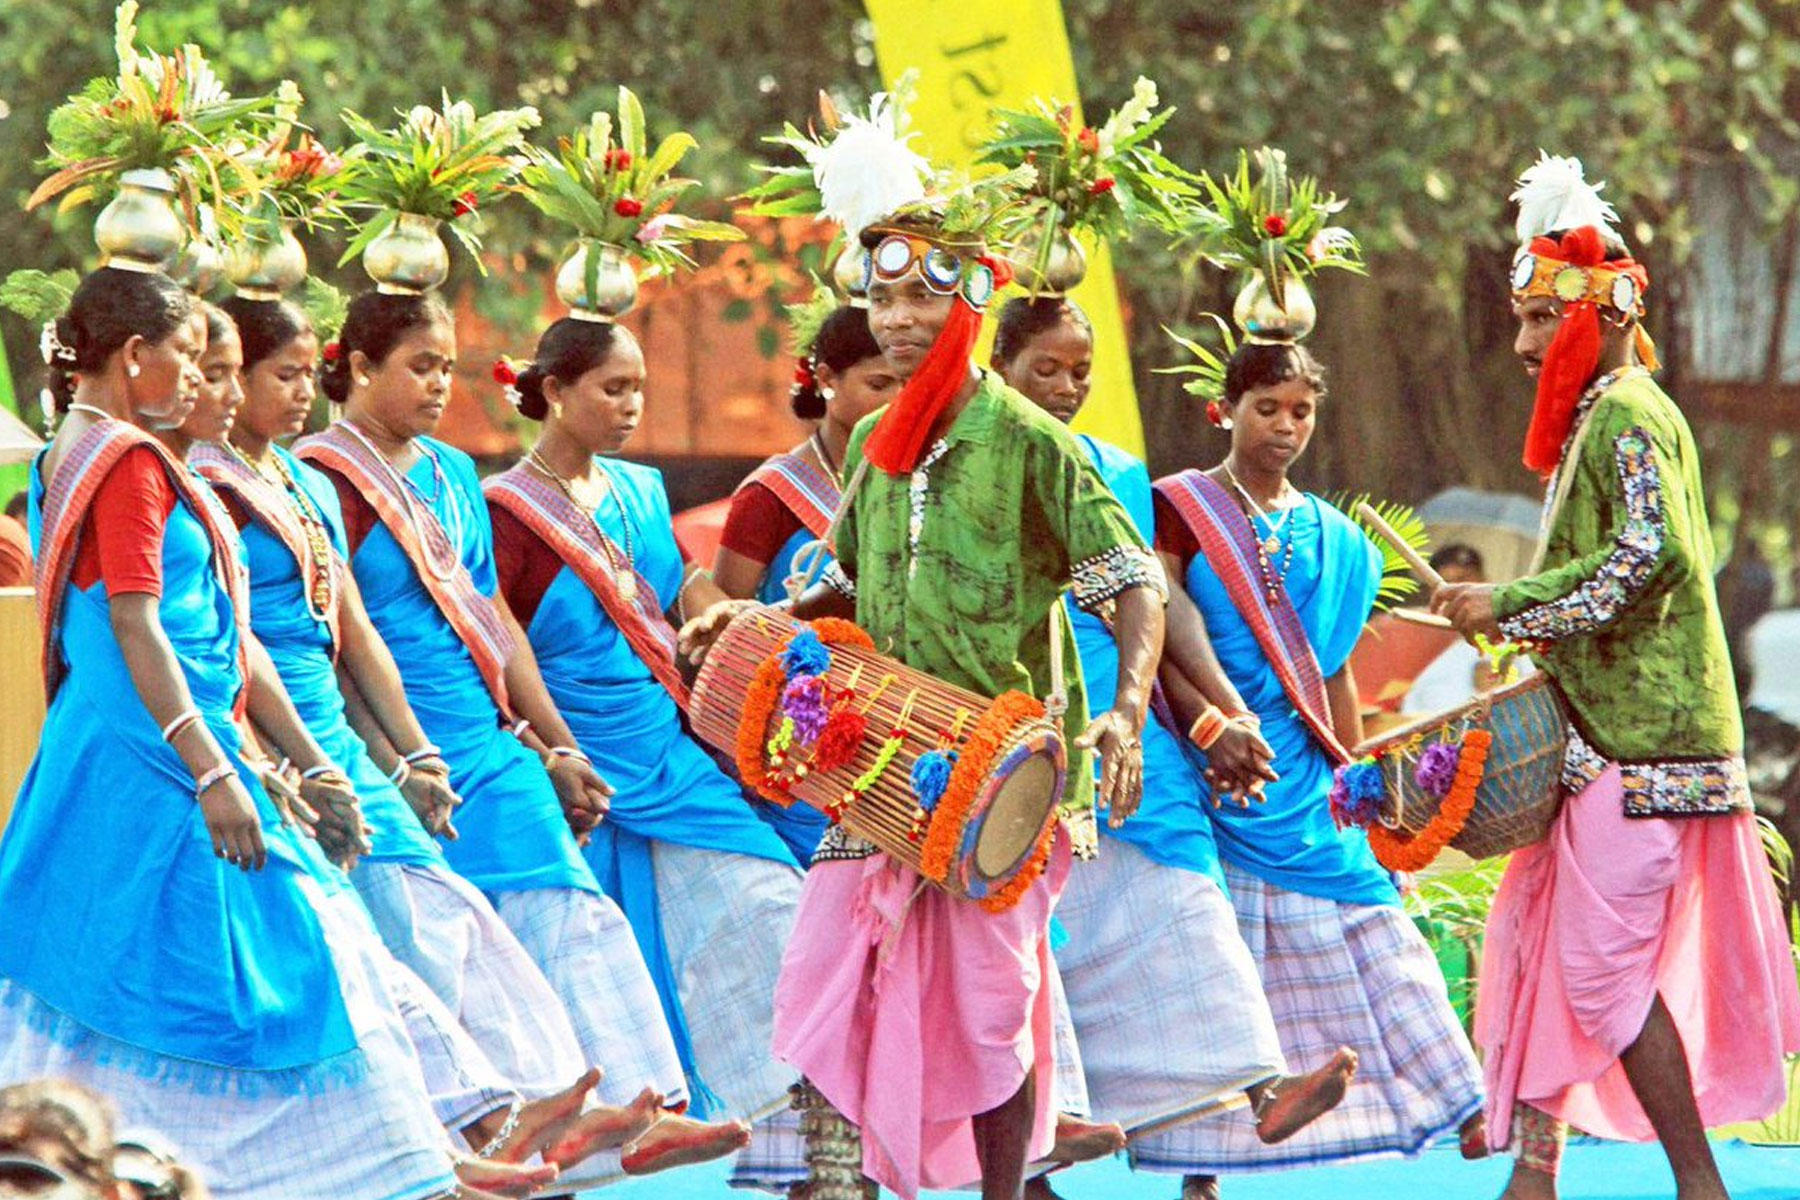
(1397, 852)
(765, 694)
(973, 763)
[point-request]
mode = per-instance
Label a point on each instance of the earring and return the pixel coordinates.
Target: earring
(1225, 424)
(828, 394)
(133, 370)
(362, 381)
(556, 409)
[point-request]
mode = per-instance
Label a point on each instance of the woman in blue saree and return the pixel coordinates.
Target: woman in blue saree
(421, 551)
(1278, 586)
(784, 506)
(1205, 1033)
(224, 1014)
(306, 613)
(588, 563)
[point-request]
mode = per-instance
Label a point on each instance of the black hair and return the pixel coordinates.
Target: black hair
(569, 349)
(265, 326)
(375, 325)
(218, 322)
(18, 504)
(109, 308)
(1458, 554)
(1024, 317)
(1265, 364)
(1613, 244)
(843, 341)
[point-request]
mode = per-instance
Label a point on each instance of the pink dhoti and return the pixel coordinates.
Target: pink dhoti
(912, 1012)
(1592, 924)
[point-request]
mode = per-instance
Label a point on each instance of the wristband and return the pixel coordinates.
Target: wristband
(182, 721)
(222, 771)
(1208, 727)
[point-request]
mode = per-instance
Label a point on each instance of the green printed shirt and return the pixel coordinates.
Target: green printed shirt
(956, 567)
(1624, 612)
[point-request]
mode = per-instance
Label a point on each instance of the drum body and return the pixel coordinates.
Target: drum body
(1521, 785)
(960, 787)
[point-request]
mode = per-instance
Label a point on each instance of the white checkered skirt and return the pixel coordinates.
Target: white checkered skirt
(1168, 1005)
(1340, 975)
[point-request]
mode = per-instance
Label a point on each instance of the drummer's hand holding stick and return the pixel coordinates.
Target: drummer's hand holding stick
(1118, 733)
(584, 794)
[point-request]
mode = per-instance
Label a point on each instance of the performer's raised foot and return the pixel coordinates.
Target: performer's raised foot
(1471, 1138)
(1529, 1183)
(603, 1128)
(1199, 1187)
(1288, 1105)
(536, 1121)
(482, 1177)
(677, 1141)
(1083, 1141)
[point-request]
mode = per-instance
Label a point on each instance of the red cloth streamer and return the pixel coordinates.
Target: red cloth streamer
(1574, 353)
(898, 439)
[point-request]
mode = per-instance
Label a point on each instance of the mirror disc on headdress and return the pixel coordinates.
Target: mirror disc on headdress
(1570, 284)
(1625, 294)
(1524, 267)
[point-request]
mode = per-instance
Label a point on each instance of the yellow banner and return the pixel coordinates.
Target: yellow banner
(974, 56)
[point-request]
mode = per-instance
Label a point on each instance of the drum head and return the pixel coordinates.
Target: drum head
(1016, 816)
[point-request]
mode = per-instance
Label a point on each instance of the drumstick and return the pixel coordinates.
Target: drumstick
(1424, 570)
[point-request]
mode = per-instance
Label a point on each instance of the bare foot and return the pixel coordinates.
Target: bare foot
(679, 1141)
(1472, 1138)
(602, 1128)
(1300, 1100)
(1039, 1188)
(1200, 1187)
(1082, 1141)
(486, 1177)
(1529, 1183)
(538, 1120)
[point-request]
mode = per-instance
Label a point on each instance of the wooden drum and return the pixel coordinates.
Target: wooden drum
(961, 788)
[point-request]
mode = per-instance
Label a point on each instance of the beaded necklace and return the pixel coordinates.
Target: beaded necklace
(624, 573)
(321, 599)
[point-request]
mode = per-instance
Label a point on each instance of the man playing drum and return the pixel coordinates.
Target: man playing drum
(923, 1019)
(1636, 980)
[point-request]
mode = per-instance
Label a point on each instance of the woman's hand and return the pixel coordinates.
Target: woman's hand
(1121, 750)
(283, 788)
(699, 634)
(232, 820)
(585, 796)
(1239, 764)
(340, 829)
(427, 789)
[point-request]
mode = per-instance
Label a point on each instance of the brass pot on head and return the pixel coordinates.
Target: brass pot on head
(197, 266)
(408, 257)
(597, 282)
(1054, 274)
(140, 229)
(1266, 320)
(265, 264)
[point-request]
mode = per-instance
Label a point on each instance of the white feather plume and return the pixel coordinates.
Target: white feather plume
(868, 170)
(1554, 194)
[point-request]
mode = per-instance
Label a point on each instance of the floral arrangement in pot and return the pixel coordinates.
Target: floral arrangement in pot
(152, 137)
(619, 196)
(1092, 182)
(1274, 228)
(437, 167)
(288, 181)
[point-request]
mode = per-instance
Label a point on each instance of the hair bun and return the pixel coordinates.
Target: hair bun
(528, 387)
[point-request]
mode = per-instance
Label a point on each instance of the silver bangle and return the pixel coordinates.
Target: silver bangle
(223, 771)
(422, 753)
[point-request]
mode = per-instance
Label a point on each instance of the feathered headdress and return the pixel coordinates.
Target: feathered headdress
(868, 170)
(1554, 197)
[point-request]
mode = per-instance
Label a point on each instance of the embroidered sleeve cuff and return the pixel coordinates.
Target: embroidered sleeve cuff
(1598, 600)
(1105, 576)
(842, 583)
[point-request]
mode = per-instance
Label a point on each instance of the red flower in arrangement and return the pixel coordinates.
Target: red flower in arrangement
(1102, 185)
(1275, 225)
(628, 206)
(504, 373)
(618, 159)
(1088, 140)
(332, 352)
(466, 203)
(167, 114)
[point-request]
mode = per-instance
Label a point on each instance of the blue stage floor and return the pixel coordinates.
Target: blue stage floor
(1592, 1171)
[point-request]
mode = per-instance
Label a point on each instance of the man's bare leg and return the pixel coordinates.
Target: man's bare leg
(1656, 1065)
(1003, 1139)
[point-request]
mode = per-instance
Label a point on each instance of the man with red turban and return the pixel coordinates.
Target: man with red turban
(1637, 981)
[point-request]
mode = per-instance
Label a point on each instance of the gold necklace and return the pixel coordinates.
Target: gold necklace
(624, 573)
(321, 597)
(1272, 542)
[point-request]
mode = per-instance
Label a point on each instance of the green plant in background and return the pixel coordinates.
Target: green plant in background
(1270, 223)
(1397, 580)
(444, 163)
(160, 112)
(609, 186)
(1451, 909)
(1092, 181)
